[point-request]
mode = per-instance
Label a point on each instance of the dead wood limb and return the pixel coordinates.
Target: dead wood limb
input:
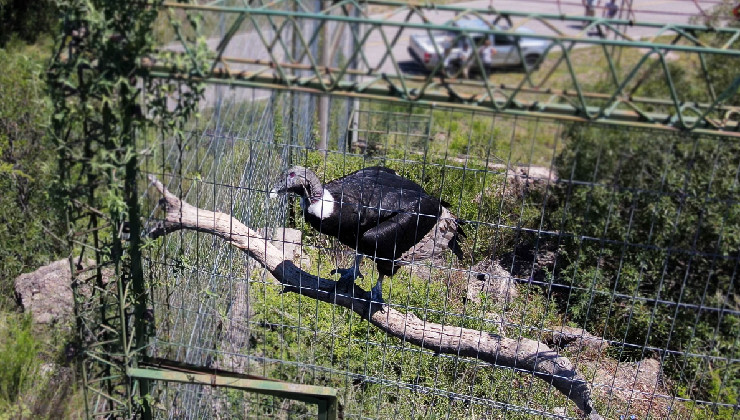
(522, 354)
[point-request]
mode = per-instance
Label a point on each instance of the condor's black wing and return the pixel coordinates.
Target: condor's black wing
(385, 213)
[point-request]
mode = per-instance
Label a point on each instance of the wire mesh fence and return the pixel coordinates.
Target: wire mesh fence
(617, 248)
(593, 221)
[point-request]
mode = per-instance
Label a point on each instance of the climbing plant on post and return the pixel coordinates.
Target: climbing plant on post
(96, 84)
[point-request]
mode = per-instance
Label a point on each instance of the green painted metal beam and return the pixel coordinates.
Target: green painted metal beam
(563, 111)
(324, 397)
(428, 26)
(617, 102)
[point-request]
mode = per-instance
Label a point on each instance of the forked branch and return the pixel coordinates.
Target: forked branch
(522, 353)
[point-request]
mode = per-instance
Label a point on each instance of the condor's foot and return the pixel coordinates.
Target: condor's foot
(347, 276)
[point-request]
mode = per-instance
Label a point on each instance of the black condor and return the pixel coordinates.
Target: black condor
(377, 212)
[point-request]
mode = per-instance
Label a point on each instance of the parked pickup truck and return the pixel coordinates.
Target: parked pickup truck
(429, 51)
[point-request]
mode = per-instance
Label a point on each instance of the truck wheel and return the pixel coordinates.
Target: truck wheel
(530, 60)
(452, 70)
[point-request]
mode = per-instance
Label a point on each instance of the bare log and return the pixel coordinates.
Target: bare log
(522, 353)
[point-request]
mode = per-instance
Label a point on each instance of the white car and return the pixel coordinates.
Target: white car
(428, 52)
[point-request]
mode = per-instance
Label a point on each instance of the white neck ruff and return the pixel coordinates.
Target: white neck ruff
(322, 208)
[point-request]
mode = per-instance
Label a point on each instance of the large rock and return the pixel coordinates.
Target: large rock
(493, 280)
(537, 175)
(46, 293)
(289, 241)
(636, 389)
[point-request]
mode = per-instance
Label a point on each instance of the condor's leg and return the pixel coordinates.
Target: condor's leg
(376, 293)
(349, 275)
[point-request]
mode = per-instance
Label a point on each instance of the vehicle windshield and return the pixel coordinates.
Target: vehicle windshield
(500, 40)
(457, 39)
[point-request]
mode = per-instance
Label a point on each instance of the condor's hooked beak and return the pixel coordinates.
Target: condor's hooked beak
(289, 183)
(279, 188)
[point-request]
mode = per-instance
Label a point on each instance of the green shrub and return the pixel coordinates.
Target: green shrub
(721, 68)
(26, 20)
(650, 229)
(28, 217)
(19, 357)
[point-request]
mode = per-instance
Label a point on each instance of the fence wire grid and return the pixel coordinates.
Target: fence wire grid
(616, 247)
(599, 227)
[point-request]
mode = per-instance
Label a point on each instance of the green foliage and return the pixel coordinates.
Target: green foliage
(722, 68)
(685, 76)
(461, 137)
(98, 129)
(19, 361)
(651, 224)
(29, 219)
(33, 382)
(655, 220)
(26, 20)
(30, 225)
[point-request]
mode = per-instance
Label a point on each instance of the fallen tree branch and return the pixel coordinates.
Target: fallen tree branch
(523, 354)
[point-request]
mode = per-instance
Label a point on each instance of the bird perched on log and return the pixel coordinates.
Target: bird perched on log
(377, 212)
